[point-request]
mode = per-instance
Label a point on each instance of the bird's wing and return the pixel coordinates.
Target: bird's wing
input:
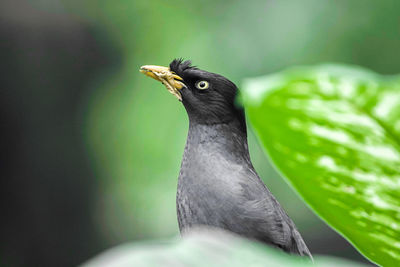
(296, 243)
(268, 221)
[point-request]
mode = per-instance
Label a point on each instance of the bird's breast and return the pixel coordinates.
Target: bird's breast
(208, 166)
(213, 170)
(208, 185)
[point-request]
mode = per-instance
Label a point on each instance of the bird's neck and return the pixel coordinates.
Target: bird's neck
(226, 138)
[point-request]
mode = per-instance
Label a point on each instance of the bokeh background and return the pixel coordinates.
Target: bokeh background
(91, 149)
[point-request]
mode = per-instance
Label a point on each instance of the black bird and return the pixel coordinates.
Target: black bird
(217, 184)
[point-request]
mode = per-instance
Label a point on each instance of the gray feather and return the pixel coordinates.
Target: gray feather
(219, 187)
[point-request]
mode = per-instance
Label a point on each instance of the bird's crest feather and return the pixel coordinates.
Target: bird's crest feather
(179, 65)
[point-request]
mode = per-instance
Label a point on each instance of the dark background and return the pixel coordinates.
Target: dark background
(90, 150)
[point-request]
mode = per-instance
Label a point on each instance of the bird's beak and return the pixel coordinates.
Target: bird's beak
(163, 74)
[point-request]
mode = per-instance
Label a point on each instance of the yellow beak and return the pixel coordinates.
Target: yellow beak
(163, 74)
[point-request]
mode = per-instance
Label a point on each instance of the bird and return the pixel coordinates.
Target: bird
(217, 184)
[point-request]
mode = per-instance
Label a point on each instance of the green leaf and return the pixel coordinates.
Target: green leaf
(206, 247)
(334, 133)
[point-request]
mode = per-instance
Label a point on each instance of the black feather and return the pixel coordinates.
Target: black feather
(218, 185)
(179, 65)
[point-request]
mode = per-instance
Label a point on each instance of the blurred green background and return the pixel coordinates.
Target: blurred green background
(91, 149)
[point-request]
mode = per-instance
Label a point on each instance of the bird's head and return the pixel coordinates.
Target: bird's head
(209, 98)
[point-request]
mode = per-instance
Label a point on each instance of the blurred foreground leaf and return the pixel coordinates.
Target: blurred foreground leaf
(334, 133)
(205, 247)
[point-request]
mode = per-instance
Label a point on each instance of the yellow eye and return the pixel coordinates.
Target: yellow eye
(202, 85)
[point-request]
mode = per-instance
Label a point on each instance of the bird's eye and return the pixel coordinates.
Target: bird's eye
(202, 85)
